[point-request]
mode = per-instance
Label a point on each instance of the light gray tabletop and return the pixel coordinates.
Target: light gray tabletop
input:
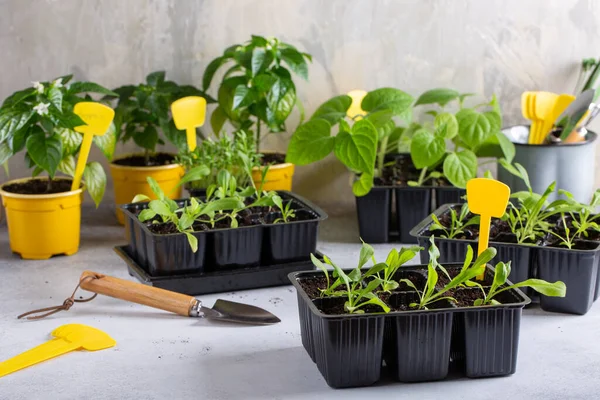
(164, 356)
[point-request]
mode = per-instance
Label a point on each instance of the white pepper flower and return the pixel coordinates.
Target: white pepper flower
(41, 108)
(38, 86)
(57, 83)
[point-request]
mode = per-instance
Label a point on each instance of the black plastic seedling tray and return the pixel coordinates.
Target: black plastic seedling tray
(578, 269)
(224, 249)
(416, 346)
(379, 222)
(216, 282)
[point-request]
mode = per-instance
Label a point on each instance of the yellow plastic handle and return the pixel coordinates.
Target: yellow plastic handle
(50, 349)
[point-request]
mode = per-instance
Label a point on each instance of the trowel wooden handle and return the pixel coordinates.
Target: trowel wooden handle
(137, 293)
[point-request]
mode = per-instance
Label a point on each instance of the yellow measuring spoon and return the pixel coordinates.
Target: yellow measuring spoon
(189, 113)
(488, 198)
(98, 118)
(67, 338)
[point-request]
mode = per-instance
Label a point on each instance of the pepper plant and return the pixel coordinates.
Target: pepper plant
(454, 141)
(142, 113)
(361, 141)
(257, 89)
(40, 121)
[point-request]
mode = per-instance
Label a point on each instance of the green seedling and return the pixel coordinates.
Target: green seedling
(585, 220)
(568, 239)
(350, 285)
(502, 271)
(428, 295)
(457, 223)
(393, 262)
(287, 212)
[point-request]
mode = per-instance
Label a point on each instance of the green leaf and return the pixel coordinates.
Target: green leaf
(366, 252)
(155, 78)
(223, 204)
(146, 215)
(12, 120)
(502, 270)
(295, 61)
(394, 100)
(46, 152)
(460, 167)
(497, 146)
(193, 241)
(155, 188)
(95, 181)
(311, 142)
(160, 207)
(473, 127)
(280, 99)
(70, 139)
(147, 139)
(90, 87)
(14, 99)
(67, 165)
(55, 96)
(210, 70)
(333, 109)
(448, 121)
(140, 197)
(426, 149)
(258, 59)
(217, 120)
(66, 119)
(495, 120)
(556, 289)
(107, 142)
(195, 174)
(437, 96)
(226, 96)
(363, 185)
(357, 149)
(5, 153)
(242, 97)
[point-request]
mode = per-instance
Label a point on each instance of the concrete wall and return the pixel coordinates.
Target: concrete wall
(486, 47)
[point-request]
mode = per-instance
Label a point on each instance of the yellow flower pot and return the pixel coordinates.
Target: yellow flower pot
(129, 181)
(279, 177)
(41, 226)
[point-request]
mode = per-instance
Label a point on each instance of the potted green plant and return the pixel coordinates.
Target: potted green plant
(43, 213)
(142, 115)
(258, 94)
(443, 151)
(417, 318)
(546, 240)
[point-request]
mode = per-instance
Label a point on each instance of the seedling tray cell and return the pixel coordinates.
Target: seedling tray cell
(217, 281)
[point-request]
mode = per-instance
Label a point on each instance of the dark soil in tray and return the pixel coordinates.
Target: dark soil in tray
(39, 186)
(553, 241)
(272, 158)
(498, 227)
(466, 297)
(312, 286)
(162, 228)
(335, 306)
(243, 220)
(300, 215)
(140, 161)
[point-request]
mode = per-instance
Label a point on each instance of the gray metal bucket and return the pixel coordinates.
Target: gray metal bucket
(571, 165)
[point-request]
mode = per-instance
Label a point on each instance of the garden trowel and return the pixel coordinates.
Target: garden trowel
(98, 118)
(67, 338)
(188, 306)
(488, 198)
(189, 113)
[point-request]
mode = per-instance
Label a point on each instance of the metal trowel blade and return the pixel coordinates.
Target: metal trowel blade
(225, 310)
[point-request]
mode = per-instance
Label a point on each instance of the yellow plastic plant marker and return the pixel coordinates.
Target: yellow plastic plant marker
(98, 118)
(488, 198)
(189, 113)
(67, 338)
(355, 108)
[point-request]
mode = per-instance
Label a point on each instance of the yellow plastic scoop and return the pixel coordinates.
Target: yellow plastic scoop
(488, 198)
(67, 338)
(98, 118)
(189, 113)
(355, 109)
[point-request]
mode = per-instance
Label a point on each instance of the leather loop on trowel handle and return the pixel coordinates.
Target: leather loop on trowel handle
(137, 293)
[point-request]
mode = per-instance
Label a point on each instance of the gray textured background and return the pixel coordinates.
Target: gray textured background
(486, 47)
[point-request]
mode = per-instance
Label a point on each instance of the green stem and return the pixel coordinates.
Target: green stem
(258, 136)
(422, 176)
(381, 155)
(147, 156)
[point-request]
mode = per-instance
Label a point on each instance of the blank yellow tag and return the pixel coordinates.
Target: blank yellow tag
(189, 113)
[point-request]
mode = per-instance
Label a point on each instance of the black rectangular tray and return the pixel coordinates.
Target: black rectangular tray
(218, 281)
